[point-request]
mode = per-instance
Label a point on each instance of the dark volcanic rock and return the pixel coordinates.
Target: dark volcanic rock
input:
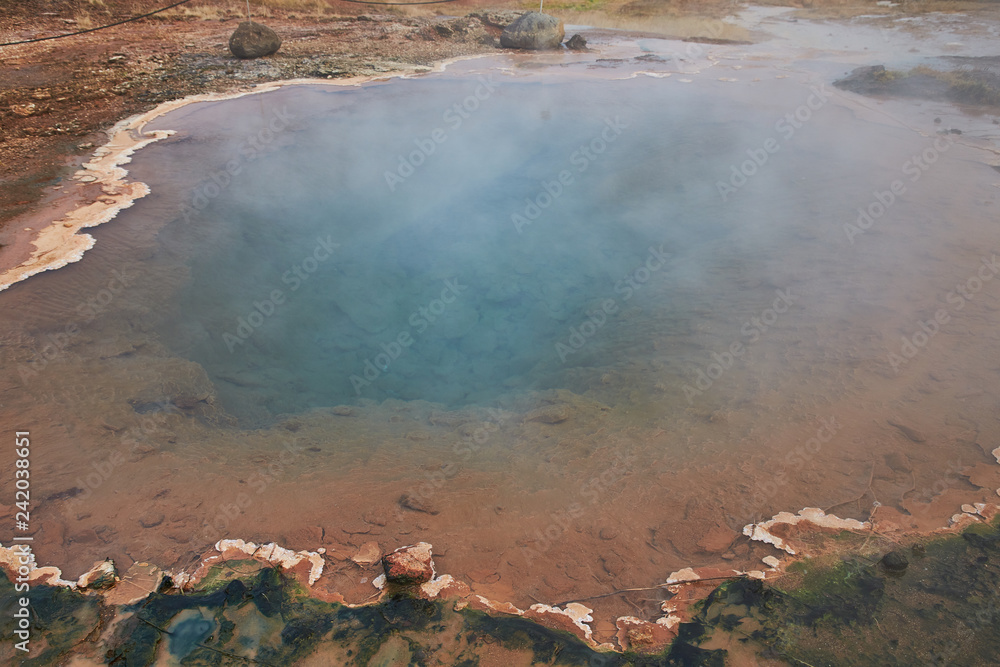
(895, 561)
(253, 40)
(576, 43)
(533, 30)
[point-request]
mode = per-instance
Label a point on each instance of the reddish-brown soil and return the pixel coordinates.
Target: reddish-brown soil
(57, 96)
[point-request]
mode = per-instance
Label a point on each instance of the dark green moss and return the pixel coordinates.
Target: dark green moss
(944, 608)
(60, 618)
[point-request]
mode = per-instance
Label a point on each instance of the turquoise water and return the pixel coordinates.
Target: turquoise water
(463, 239)
(395, 250)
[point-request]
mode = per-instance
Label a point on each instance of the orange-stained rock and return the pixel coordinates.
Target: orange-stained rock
(409, 565)
(638, 635)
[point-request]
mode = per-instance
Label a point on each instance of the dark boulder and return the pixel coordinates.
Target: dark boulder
(533, 30)
(253, 40)
(576, 43)
(895, 561)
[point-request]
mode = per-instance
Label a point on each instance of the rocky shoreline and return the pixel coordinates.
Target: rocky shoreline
(59, 97)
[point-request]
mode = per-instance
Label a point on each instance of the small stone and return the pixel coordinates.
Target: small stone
(639, 635)
(102, 575)
(895, 561)
(911, 433)
(771, 562)
(608, 533)
(374, 518)
(484, 576)
(187, 402)
(24, 110)
(409, 565)
(151, 520)
(409, 501)
(552, 414)
(343, 411)
(368, 554)
(576, 43)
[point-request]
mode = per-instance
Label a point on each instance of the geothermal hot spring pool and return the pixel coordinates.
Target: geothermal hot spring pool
(573, 320)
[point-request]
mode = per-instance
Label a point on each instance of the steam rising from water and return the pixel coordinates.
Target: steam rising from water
(701, 335)
(458, 240)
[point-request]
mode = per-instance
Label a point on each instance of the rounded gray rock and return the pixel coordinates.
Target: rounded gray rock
(253, 40)
(533, 30)
(895, 561)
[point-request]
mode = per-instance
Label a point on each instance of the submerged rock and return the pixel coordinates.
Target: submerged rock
(533, 30)
(718, 539)
(253, 40)
(409, 565)
(368, 554)
(576, 43)
(413, 502)
(550, 414)
(895, 561)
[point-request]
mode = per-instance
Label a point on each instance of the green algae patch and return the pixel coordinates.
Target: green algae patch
(61, 618)
(943, 607)
(242, 613)
(938, 604)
